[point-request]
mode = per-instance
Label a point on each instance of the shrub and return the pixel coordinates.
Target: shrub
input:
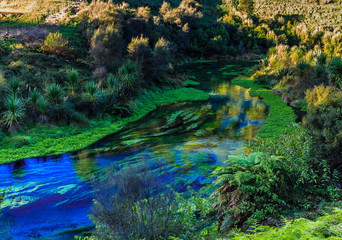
(129, 76)
(13, 87)
(112, 83)
(319, 95)
(106, 45)
(334, 69)
(42, 107)
(247, 6)
(133, 203)
(279, 175)
(55, 44)
(72, 80)
(302, 68)
(55, 94)
(17, 141)
(138, 49)
(14, 114)
(325, 125)
(92, 90)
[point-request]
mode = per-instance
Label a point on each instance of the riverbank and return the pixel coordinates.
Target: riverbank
(44, 141)
(280, 115)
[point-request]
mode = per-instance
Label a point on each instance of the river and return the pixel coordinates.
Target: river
(183, 143)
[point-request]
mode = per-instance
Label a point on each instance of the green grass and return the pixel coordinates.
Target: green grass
(280, 116)
(46, 141)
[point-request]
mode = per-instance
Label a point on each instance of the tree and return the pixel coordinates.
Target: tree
(247, 6)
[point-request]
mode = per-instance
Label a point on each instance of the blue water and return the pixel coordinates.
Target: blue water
(54, 194)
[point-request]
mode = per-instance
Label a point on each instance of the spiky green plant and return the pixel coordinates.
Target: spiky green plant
(72, 80)
(334, 69)
(92, 90)
(42, 107)
(112, 83)
(322, 59)
(14, 114)
(55, 94)
(128, 75)
(13, 87)
(33, 98)
(302, 68)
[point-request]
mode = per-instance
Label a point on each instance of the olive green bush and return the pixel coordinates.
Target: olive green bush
(55, 44)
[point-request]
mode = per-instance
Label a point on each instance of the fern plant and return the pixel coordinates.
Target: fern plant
(278, 176)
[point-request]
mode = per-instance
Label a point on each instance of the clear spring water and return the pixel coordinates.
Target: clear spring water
(183, 143)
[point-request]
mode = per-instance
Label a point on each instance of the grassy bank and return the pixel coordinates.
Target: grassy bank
(280, 115)
(44, 141)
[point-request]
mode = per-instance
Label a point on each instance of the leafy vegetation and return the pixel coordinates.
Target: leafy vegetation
(326, 227)
(73, 72)
(280, 116)
(255, 188)
(47, 141)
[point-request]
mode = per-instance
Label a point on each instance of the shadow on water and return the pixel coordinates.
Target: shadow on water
(182, 143)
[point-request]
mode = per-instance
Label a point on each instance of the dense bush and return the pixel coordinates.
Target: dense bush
(280, 175)
(55, 44)
(132, 203)
(325, 124)
(325, 227)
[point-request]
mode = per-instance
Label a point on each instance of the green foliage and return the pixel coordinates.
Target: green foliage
(55, 94)
(42, 107)
(106, 45)
(48, 141)
(55, 44)
(278, 176)
(92, 90)
(320, 95)
(138, 49)
(334, 69)
(325, 125)
(130, 76)
(325, 227)
(33, 99)
(17, 141)
(247, 6)
(112, 83)
(14, 114)
(132, 204)
(280, 115)
(72, 80)
(13, 87)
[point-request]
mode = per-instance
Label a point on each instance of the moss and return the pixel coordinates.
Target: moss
(60, 140)
(280, 116)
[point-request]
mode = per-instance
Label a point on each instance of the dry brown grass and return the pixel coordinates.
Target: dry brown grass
(314, 14)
